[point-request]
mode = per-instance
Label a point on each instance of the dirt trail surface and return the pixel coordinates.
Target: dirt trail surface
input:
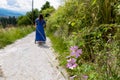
(24, 60)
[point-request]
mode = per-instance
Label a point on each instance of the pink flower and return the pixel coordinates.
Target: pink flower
(85, 77)
(71, 63)
(73, 48)
(73, 53)
(76, 53)
(79, 51)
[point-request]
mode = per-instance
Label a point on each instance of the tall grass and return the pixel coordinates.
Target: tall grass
(93, 26)
(10, 35)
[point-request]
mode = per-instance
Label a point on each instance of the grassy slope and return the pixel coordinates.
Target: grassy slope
(9, 35)
(76, 24)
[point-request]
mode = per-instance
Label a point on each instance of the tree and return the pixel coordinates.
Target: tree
(29, 18)
(45, 6)
(47, 9)
(7, 21)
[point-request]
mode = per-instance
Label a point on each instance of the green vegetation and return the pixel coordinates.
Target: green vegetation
(46, 10)
(13, 28)
(30, 17)
(8, 22)
(9, 35)
(93, 26)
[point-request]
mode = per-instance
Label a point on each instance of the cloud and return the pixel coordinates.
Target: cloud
(26, 5)
(39, 3)
(3, 3)
(11, 2)
(54, 3)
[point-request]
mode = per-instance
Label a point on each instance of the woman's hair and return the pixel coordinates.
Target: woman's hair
(40, 17)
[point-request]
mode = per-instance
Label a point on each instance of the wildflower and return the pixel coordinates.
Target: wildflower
(79, 51)
(85, 77)
(76, 53)
(71, 63)
(73, 48)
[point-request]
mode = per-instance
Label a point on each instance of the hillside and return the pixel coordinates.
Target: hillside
(85, 33)
(6, 12)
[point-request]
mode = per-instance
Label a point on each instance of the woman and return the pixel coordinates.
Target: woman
(40, 34)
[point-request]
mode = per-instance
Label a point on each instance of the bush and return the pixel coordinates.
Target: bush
(88, 25)
(10, 35)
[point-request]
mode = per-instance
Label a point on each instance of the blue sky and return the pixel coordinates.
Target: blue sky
(25, 5)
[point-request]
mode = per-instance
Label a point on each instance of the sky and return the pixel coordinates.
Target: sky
(26, 5)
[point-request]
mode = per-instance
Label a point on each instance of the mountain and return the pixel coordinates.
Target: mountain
(6, 12)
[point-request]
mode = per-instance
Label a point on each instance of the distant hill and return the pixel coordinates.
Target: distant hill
(6, 12)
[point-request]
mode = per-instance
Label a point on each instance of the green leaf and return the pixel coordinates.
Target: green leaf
(73, 24)
(81, 43)
(74, 33)
(93, 2)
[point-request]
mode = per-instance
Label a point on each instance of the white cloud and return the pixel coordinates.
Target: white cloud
(26, 5)
(3, 3)
(55, 3)
(39, 3)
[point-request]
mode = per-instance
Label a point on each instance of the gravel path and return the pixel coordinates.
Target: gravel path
(24, 60)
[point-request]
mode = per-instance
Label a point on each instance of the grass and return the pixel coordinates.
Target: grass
(10, 35)
(60, 47)
(88, 25)
(99, 69)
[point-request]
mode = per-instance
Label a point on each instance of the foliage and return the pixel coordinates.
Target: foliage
(8, 21)
(29, 18)
(47, 12)
(45, 6)
(10, 35)
(47, 9)
(92, 25)
(57, 42)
